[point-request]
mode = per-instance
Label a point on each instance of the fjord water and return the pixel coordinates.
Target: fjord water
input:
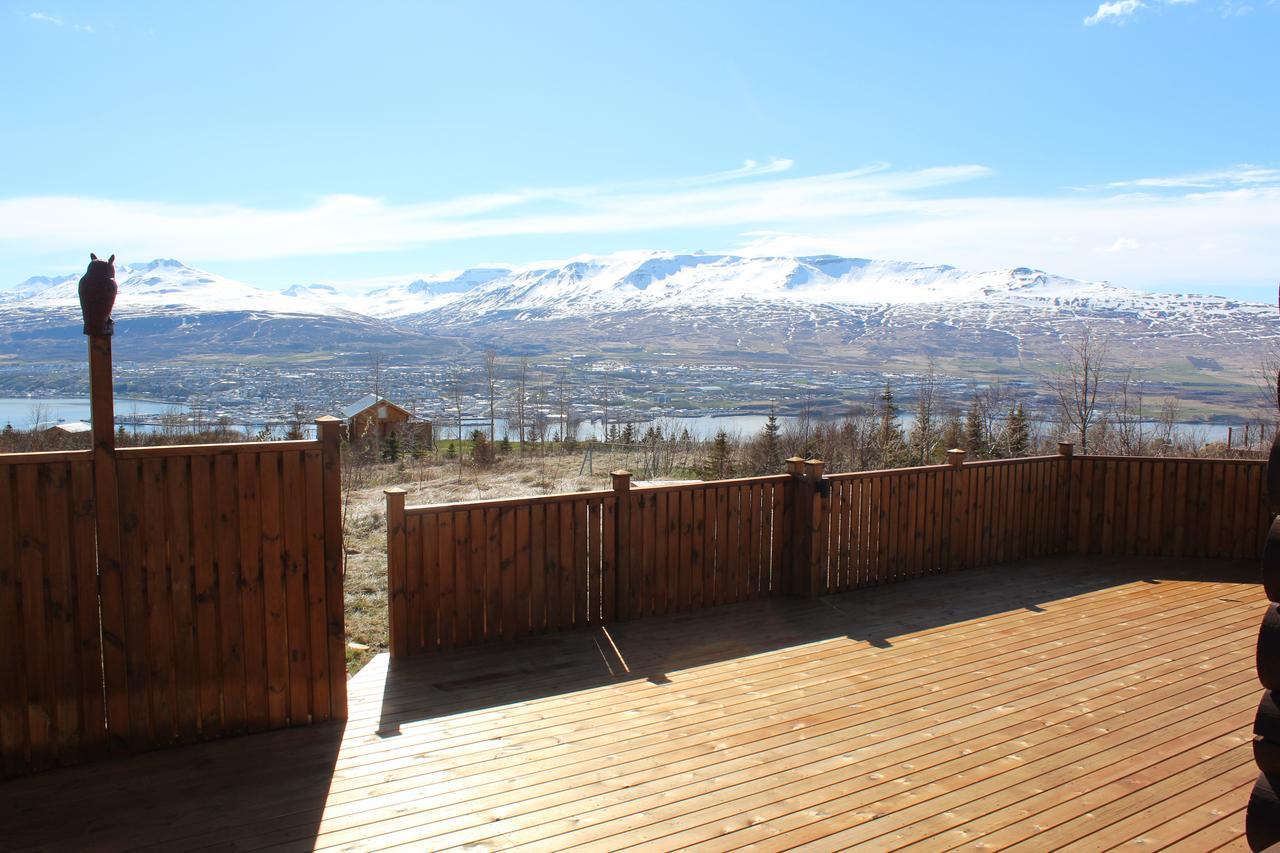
(23, 412)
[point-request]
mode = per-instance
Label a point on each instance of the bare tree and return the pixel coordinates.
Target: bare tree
(563, 403)
(376, 362)
(457, 390)
(1129, 415)
(491, 384)
(522, 399)
(604, 394)
(1077, 383)
(924, 432)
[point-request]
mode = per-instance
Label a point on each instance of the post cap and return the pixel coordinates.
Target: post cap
(1066, 448)
(955, 456)
(328, 419)
(394, 490)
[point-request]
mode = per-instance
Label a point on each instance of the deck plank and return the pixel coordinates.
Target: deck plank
(1065, 702)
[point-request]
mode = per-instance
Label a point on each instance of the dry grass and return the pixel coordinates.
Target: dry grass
(366, 529)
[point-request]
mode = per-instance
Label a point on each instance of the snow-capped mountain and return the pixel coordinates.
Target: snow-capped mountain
(166, 307)
(166, 285)
(819, 308)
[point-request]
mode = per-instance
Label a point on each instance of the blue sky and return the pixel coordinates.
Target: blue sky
(1134, 140)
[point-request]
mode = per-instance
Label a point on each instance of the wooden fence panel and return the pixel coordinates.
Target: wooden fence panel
(502, 569)
(499, 570)
(1168, 507)
(51, 704)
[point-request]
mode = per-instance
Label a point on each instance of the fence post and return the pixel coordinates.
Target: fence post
(1066, 450)
(622, 543)
(397, 573)
(106, 499)
(327, 428)
(954, 510)
(815, 572)
(796, 505)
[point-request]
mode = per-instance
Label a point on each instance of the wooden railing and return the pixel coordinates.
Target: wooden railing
(1167, 507)
(695, 545)
(51, 701)
(200, 596)
(875, 527)
(468, 573)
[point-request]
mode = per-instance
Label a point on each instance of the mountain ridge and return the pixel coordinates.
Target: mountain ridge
(802, 310)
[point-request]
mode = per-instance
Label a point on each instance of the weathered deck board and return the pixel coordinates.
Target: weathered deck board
(1064, 703)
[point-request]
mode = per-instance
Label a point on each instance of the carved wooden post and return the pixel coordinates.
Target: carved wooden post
(397, 573)
(327, 428)
(97, 297)
(622, 542)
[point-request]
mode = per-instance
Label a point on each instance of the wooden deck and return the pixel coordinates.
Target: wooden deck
(1078, 703)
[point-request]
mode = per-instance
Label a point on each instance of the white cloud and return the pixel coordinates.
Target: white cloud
(1192, 240)
(1238, 176)
(1124, 244)
(1114, 11)
(1119, 11)
(46, 18)
(1193, 231)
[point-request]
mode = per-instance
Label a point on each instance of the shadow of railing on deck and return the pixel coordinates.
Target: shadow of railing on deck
(170, 799)
(439, 684)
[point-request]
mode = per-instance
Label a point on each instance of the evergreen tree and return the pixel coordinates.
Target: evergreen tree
(975, 437)
(890, 441)
(120, 434)
(451, 452)
(628, 434)
(391, 449)
(770, 444)
(505, 446)
(718, 464)
(1017, 435)
(952, 432)
(481, 448)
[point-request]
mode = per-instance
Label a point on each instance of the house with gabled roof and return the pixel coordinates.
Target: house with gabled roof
(372, 415)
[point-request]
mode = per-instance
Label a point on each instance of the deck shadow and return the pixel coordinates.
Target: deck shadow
(461, 680)
(209, 796)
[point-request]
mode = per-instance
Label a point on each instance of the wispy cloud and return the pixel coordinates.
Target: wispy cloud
(1114, 11)
(1212, 226)
(58, 21)
(353, 223)
(1238, 176)
(1119, 11)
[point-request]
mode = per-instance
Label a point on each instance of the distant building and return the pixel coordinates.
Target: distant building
(378, 416)
(65, 428)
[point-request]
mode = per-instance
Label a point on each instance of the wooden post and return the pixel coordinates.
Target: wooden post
(952, 510)
(397, 573)
(107, 509)
(327, 430)
(622, 544)
(795, 527)
(1066, 450)
(814, 576)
